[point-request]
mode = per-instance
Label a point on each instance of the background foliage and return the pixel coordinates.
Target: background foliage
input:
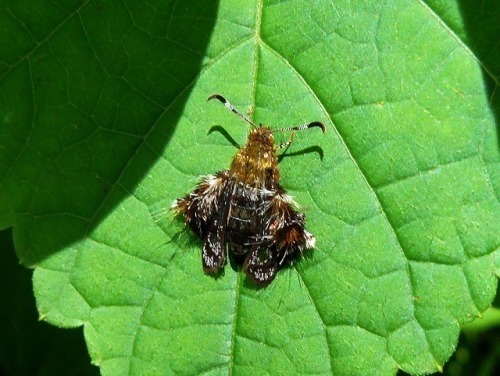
(103, 122)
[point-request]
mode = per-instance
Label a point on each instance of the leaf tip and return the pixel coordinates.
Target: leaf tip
(439, 367)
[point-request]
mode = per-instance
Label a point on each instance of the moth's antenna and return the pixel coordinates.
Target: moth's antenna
(302, 127)
(298, 128)
(230, 106)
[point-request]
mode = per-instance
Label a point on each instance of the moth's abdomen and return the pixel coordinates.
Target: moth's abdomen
(246, 224)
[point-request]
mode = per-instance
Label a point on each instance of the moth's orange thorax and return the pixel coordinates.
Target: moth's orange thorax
(255, 164)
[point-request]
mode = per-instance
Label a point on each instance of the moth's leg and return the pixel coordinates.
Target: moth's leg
(285, 144)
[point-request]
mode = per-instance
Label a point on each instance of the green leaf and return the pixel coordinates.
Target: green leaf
(104, 121)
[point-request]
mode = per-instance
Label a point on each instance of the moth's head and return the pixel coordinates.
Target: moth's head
(262, 135)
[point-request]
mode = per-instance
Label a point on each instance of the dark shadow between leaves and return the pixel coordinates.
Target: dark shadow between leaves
(27, 345)
(482, 38)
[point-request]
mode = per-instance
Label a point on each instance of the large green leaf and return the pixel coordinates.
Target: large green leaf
(104, 122)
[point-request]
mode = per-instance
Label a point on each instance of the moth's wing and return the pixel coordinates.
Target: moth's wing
(214, 244)
(261, 264)
(287, 227)
(200, 206)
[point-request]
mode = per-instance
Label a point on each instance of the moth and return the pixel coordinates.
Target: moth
(246, 210)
